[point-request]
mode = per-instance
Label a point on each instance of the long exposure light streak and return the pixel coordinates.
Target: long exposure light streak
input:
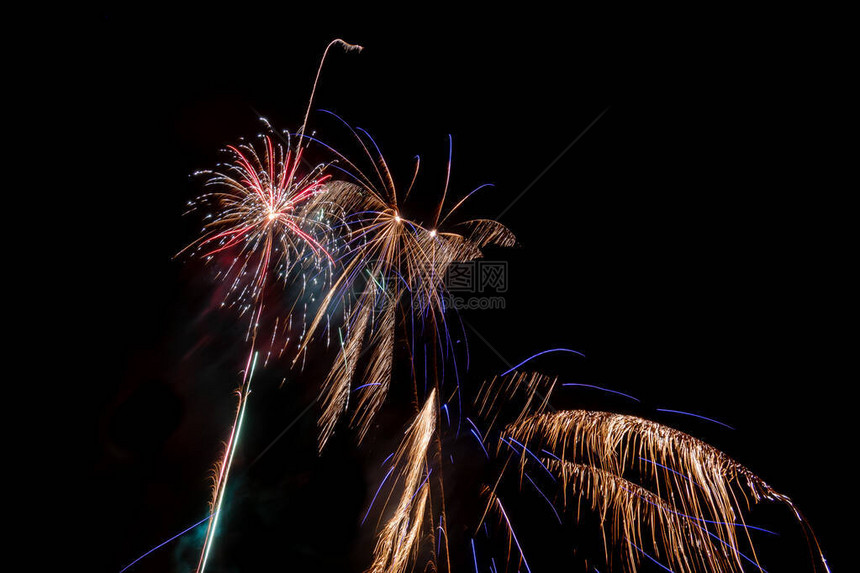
(221, 484)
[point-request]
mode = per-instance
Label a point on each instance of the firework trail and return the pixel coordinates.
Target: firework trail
(262, 218)
(223, 472)
(261, 225)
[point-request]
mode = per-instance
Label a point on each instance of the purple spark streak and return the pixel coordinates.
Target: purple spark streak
(439, 538)
(649, 557)
(162, 544)
(540, 354)
(514, 535)
(376, 494)
(421, 485)
(688, 478)
(603, 389)
(474, 433)
(366, 385)
(445, 409)
(551, 454)
(529, 452)
(551, 506)
(699, 519)
(695, 416)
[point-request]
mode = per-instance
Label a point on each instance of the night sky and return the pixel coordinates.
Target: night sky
(673, 229)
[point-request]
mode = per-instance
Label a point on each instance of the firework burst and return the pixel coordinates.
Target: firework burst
(394, 272)
(259, 219)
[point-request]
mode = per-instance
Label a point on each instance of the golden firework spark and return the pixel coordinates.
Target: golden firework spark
(394, 265)
(692, 507)
(397, 541)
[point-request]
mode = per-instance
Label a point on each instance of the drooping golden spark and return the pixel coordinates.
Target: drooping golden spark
(688, 498)
(377, 377)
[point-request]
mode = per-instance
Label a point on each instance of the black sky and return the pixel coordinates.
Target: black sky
(686, 244)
